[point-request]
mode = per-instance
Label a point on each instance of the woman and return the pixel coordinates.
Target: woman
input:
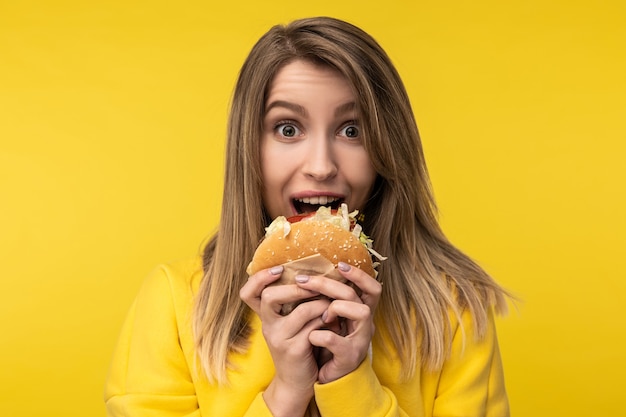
(318, 112)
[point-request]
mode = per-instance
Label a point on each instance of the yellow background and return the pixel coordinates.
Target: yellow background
(112, 119)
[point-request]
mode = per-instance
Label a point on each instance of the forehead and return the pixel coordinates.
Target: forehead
(302, 80)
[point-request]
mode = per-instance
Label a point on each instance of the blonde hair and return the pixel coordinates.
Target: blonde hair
(426, 279)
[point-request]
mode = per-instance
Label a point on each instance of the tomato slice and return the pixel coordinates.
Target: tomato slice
(298, 217)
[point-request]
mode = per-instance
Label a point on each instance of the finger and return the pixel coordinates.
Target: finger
(331, 288)
(370, 288)
(250, 293)
(302, 320)
(347, 353)
(311, 314)
(326, 339)
(357, 314)
(274, 297)
(340, 361)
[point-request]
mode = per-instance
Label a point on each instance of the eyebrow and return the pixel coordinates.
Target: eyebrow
(287, 105)
(344, 108)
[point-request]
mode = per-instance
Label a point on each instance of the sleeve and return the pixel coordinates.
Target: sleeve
(149, 376)
(373, 399)
(471, 382)
(258, 408)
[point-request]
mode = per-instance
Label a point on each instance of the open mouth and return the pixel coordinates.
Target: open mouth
(311, 204)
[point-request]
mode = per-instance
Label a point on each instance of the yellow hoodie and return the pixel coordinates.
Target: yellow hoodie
(154, 371)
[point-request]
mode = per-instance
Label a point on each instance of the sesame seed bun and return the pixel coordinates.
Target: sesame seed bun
(311, 237)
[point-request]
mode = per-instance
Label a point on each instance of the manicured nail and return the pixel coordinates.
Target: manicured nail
(344, 266)
(302, 278)
(276, 270)
(324, 316)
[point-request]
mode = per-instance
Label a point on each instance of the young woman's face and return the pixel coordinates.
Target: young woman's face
(311, 147)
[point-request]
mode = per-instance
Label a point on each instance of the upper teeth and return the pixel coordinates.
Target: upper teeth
(322, 199)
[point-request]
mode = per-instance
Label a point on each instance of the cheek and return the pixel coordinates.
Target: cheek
(276, 165)
(360, 172)
(277, 169)
(269, 159)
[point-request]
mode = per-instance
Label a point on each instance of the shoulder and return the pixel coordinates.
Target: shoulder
(472, 376)
(155, 345)
(163, 306)
(176, 276)
(170, 286)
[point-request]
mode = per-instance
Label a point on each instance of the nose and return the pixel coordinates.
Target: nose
(319, 164)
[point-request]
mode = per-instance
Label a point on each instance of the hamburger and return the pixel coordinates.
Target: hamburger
(314, 244)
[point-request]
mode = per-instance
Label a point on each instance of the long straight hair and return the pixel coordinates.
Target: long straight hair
(426, 280)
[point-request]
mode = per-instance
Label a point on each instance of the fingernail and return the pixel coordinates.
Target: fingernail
(276, 270)
(343, 266)
(324, 316)
(302, 278)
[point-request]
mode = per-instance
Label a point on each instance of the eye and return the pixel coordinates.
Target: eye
(350, 131)
(287, 130)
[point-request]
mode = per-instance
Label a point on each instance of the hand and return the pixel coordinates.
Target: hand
(287, 338)
(350, 347)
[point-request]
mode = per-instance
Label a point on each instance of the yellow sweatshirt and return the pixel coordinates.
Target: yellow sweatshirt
(154, 371)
